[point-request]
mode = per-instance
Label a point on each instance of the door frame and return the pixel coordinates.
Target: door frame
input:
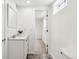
(4, 28)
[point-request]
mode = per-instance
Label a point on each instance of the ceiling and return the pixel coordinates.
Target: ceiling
(39, 5)
(34, 3)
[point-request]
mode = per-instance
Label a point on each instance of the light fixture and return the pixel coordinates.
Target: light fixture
(27, 1)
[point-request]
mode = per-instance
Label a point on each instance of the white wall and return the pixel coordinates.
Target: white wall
(26, 22)
(25, 19)
(62, 28)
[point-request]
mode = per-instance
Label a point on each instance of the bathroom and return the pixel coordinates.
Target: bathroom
(39, 27)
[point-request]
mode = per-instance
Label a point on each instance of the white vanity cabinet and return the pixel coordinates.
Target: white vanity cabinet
(17, 49)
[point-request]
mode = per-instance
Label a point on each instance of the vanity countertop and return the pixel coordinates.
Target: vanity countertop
(18, 38)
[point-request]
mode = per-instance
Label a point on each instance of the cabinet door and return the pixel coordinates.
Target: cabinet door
(15, 49)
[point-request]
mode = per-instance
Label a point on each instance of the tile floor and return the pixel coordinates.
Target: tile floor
(41, 54)
(38, 56)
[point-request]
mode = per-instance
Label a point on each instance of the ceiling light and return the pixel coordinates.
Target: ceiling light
(28, 1)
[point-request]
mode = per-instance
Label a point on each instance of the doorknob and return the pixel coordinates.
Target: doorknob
(3, 40)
